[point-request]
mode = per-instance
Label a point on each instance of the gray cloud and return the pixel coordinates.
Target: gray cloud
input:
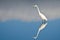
(23, 10)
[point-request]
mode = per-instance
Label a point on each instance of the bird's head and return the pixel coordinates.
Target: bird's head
(35, 6)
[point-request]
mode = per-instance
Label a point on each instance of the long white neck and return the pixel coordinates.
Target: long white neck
(41, 15)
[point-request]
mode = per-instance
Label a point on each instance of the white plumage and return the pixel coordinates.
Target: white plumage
(44, 19)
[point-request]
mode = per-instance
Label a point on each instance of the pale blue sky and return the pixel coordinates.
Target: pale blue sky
(19, 30)
(20, 21)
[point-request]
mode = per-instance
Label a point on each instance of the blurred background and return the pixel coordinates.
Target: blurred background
(19, 20)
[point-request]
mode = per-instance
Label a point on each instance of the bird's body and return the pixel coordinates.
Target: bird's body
(44, 22)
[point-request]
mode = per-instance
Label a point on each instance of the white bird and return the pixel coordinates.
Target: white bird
(44, 22)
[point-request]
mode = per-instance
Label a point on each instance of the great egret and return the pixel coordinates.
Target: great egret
(44, 22)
